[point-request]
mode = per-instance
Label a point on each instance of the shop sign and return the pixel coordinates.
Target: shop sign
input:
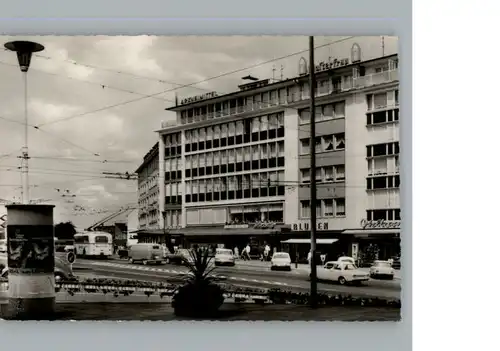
(326, 65)
(264, 225)
(323, 65)
(380, 224)
(307, 226)
(198, 98)
(269, 225)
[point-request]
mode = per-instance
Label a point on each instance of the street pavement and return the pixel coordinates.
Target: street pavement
(255, 275)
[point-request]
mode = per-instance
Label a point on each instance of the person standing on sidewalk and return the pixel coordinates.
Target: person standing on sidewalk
(267, 250)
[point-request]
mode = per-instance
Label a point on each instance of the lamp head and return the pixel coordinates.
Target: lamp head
(24, 50)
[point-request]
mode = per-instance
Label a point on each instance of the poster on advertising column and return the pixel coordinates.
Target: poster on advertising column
(31, 249)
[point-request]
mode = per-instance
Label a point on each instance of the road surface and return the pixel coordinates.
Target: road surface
(240, 275)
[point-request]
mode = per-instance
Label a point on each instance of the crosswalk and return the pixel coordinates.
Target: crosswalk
(153, 269)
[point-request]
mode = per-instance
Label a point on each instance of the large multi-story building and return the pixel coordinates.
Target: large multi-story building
(235, 167)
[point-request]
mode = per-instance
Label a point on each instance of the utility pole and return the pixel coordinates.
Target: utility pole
(312, 143)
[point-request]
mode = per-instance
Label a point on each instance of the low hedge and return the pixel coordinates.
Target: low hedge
(276, 296)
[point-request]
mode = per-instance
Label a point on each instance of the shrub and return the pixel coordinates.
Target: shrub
(199, 296)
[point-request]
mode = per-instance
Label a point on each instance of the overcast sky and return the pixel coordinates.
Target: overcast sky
(77, 75)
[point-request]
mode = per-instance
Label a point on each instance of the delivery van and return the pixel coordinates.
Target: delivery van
(145, 253)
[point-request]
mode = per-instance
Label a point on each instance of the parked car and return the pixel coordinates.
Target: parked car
(382, 269)
(396, 262)
(224, 257)
(281, 261)
(145, 253)
(63, 269)
(342, 273)
(179, 256)
(346, 259)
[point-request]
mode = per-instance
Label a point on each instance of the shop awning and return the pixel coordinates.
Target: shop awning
(371, 231)
(221, 231)
(308, 241)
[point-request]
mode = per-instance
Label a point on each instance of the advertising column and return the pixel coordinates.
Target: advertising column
(30, 251)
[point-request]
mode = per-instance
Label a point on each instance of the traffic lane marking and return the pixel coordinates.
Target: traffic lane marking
(125, 270)
(276, 279)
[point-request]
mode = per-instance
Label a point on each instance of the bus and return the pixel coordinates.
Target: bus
(93, 244)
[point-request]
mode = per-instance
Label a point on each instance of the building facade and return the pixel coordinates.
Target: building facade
(148, 190)
(235, 168)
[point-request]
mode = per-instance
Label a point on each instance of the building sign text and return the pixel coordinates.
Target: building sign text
(198, 98)
(307, 226)
(380, 224)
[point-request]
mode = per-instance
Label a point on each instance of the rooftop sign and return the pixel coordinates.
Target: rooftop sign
(196, 98)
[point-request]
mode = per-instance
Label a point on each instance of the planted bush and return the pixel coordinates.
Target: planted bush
(199, 296)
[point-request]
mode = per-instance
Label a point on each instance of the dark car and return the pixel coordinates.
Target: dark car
(62, 270)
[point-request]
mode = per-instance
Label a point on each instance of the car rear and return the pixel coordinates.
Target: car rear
(156, 254)
(281, 261)
(224, 257)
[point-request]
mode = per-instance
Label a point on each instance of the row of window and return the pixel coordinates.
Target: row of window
(237, 155)
(392, 214)
(290, 94)
(323, 112)
(258, 101)
(173, 140)
(324, 143)
(235, 167)
(172, 218)
(236, 187)
(384, 165)
(324, 174)
(382, 100)
(324, 208)
(236, 133)
(380, 117)
(383, 149)
(382, 182)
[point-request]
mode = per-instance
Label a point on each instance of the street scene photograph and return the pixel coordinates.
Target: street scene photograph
(165, 178)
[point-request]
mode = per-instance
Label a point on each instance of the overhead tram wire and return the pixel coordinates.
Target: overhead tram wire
(190, 84)
(89, 82)
(180, 86)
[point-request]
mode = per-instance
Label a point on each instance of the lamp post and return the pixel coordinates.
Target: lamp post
(24, 50)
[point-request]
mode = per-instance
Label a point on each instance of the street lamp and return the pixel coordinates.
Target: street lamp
(24, 50)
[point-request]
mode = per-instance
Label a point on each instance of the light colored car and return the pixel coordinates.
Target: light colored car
(281, 260)
(382, 269)
(224, 257)
(342, 273)
(346, 259)
(63, 269)
(145, 253)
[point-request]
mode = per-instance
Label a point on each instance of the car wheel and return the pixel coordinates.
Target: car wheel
(342, 281)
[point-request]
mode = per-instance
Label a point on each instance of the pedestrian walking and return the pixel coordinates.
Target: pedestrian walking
(309, 257)
(246, 253)
(236, 252)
